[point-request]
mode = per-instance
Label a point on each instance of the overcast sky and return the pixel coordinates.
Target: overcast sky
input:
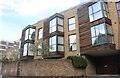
(17, 14)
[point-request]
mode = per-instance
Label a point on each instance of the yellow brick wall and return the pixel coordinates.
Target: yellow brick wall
(69, 14)
(115, 23)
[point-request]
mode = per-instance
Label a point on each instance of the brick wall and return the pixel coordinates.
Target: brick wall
(46, 67)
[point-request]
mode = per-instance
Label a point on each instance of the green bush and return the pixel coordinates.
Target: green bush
(5, 60)
(78, 62)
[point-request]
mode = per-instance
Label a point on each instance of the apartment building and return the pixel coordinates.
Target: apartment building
(8, 47)
(90, 29)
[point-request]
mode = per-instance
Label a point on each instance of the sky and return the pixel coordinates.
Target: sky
(17, 14)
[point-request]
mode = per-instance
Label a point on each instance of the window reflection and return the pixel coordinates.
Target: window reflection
(96, 11)
(71, 23)
(100, 34)
(72, 42)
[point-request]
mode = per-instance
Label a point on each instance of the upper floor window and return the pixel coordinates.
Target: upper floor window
(98, 10)
(118, 8)
(71, 23)
(52, 25)
(101, 34)
(72, 43)
(29, 34)
(40, 33)
(56, 24)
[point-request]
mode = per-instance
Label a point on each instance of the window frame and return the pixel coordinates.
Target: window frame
(104, 11)
(71, 24)
(107, 34)
(70, 50)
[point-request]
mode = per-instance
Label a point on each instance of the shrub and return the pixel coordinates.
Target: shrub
(78, 62)
(5, 60)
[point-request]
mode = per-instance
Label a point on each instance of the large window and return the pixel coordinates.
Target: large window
(52, 25)
(72, 43)
(101, 34)
(40, 33)
(56, 24)
(29, 34)
(52, 44)
(71, 23)
(98, 10)
(26, 51)
(118, 8)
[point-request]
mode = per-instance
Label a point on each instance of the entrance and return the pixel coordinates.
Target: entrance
(106, 65)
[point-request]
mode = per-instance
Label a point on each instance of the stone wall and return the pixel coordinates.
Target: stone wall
(43, 67)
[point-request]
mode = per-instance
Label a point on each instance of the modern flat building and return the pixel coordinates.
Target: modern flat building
(91, 29)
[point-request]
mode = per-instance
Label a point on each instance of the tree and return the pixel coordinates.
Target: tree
(40, 46)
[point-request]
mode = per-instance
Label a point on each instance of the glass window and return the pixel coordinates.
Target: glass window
(31, 34)
(60, 21)
(29, 52)
(99, 34)
(60, 28)
(118, 8)
(98, 15)
(25, 50)
(96, 11)
(72, 42)
(60, 48)
(52, 25)
(71, 22)
(52, 43)
(26, 34)
(96, 6)
(60, 40)
(40, 33)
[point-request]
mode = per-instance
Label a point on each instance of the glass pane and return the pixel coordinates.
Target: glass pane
(102, 39)
(32, 30)
(92, 31)
(60, 28)
(91, 18)
(72, 47)
(109, 29)
(53, 22)
(118, 5)
(97, 6)
(40, 33)
(111, 39)
(106, 14)
(60, 21)
(26, 34)
(100, 29)
(53, 40)
(29, 52)
(71, 27)
(60, 40)
(53, 48)
(71, 20)
(25, 50)
(105, 6)
(53, 29)
(50, 41)
(94, 40)
(98, 15)
(90, 10)
(72, 38)
(60, 48)
(119, 14)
